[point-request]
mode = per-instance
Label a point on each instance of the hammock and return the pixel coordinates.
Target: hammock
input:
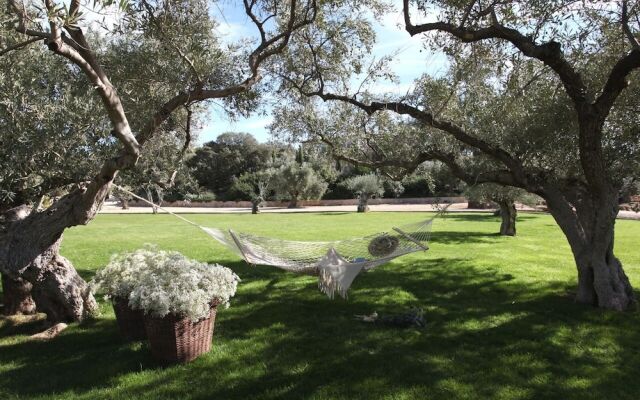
(336, 263)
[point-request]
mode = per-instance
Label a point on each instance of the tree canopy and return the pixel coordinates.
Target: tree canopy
(159, 59)
(218, 163)
(293, 181)
(538, 95)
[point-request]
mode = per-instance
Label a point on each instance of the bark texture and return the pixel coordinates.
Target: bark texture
(508, 213)
(588, 223)
(17, 297)
(58, 289)
(29, 250)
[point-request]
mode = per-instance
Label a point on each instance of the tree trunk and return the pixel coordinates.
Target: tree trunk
(154, 209)
(293, 203)
(160, 194)
(17, 296)
(508, 214)
(56, 287)
(602, 281)
(363, 203)
(589, 227)
(29, 250)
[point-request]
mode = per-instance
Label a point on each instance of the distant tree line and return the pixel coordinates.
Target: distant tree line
(236, 167)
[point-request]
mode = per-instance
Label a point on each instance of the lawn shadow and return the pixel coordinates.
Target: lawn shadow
(482, 216)
(21, 324)
(85, 356)
(452, 237)
(486, 332)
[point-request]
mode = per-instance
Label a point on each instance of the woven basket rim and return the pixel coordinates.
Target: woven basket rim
(178, 317)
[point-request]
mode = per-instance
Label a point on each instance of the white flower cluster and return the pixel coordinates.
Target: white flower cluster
(162, 282)
(118, 278)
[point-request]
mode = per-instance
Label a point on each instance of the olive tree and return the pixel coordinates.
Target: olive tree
(293, 181)
(184, 63)
(254, 185)
(365, 187)
(505, 197)
(540, 96)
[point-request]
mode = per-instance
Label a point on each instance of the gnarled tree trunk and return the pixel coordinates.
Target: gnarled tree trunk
(58, 290)
(363, 203)
(508, 213)
(29, 250)
(588, 223)
(17, 296)
(601, 280)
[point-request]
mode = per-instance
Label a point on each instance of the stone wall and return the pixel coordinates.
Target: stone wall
(302, 203)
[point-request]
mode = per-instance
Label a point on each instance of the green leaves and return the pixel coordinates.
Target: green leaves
(293, 181)
(369, 185)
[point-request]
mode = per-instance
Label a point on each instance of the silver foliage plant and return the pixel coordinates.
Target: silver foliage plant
(166, 282)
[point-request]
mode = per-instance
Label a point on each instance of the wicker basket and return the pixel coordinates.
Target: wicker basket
(130, 321)
(177, 340)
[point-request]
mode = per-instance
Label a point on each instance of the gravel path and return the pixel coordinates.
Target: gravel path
(113, 208)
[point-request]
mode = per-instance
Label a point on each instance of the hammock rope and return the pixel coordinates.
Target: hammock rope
(336, 263)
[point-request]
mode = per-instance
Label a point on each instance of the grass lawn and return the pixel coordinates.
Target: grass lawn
(501, 322)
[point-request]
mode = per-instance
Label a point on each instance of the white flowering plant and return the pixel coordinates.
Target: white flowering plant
(183, 287)
(117, 279)
(166, 282)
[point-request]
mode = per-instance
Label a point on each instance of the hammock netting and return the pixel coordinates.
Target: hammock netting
(336, 263)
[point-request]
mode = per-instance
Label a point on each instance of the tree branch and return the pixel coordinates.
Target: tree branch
(19, 45)
(429, 119)
(550, 53)
(501, 177)
(80, 206)
(268, 47)
(617, 82)
(187, 133)
(626, 28)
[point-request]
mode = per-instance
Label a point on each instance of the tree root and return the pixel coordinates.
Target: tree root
(51, 332)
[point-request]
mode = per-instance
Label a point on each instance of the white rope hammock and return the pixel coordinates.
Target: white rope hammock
(336, 263)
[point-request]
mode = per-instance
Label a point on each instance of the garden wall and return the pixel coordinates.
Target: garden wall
(302, 203)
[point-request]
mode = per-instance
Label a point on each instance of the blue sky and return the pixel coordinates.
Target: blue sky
(412, 61)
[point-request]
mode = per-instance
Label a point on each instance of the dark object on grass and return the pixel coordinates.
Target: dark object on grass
(130, 321)
(176, 339)
(415, 317)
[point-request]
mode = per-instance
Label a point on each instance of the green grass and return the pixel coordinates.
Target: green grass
(501, 322)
